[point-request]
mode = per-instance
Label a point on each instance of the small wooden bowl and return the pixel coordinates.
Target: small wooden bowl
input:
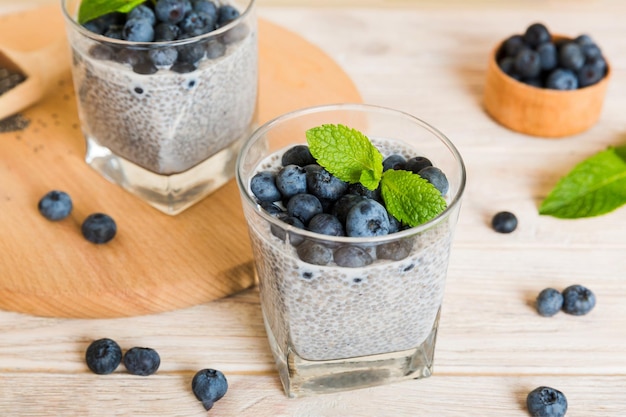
(540, 111)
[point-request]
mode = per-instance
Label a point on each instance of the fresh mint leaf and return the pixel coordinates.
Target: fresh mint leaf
(347, 154)
(594, 187)
(91, 9)
(410, 198)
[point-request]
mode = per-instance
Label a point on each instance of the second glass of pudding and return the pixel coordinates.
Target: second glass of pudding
(333, 327)
(165, 119)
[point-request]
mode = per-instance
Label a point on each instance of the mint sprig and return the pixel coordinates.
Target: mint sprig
(594, 187)
(91, 9)
(350, 156)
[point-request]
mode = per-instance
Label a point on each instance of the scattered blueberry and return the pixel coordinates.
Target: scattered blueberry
(546, 402)
(55, 205)
(562, 79)
(549, 302)
(209, 385)
(138, 30)
(304, 207)
(103, 356)
(504, 222)
(436, 177)
(323, 184)
(350, 256)
(298, 155)
(315, 253)
(367, 218)
(326, 224)
(142, 361)
(99, 228)
(263, 186)
(578, 300)
(395, 161)
(291, 180)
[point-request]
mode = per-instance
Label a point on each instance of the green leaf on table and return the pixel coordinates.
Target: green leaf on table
(410, 198)
(91, 9)
(594, 187)
(347, 154)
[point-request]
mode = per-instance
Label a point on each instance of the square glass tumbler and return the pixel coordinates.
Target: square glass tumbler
(165, 119)
(333, 327)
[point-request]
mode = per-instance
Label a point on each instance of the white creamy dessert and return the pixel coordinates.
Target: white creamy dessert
(332, 312)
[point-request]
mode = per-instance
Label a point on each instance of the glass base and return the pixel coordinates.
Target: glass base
(170, 194)
(301, 377)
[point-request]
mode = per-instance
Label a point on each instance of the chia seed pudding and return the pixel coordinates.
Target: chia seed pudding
(167, 119)
(332, 312)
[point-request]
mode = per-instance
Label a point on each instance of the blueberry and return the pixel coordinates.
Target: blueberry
(170, 11)
(549, 302)
(271, 208)
(142, 361)
(55, 205)
(142, 12)
(315, 253)
(101, 24)
(571, 56)
(115, 32)
(504, 222)
(163, 57)
(394, 224)
(183, 67)
(226, 14)
(342, 207)
(436, 177)
(138, 30)
(548, 56)
(103, 356)
(367, 218)
(323, 184)
(263, 186)
(101, 52)
(536, 34)
(166, 32)
(578, 300)
(507, 65)
(584, 39)
(197, 23)
(396, 250)
(512, 45)
(190, 53)
(417, 163)
(360, 189)
(528, 63)
(99, 228)
(546, 402)
(562, 79)
(395, 161)
(591, 51)
(205, 6)
(145, 66)
(214, 49)
(350, 256)
(209, 385)
(304, 207)
(589, 74)
(294, 238)
(291, 180)
(326, 224)
(298, 155)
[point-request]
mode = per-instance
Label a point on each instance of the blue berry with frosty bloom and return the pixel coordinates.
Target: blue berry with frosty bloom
(323, 184)
(578, 300)
(350, 256)
(99, 228)
(536, 34)
(209, 386)
(263, 186)
(549, 302)
(142, 361)
(226, 14)
(546, 402)
(504, 222)
(571, 56)
(314, 253)
(395, 161)
(436, 177)
(417, 163)
(344, 204)
(548, 56)
(326, 224)
(298, 155)
(562, 79)
(55, 205)
(528, 63)
(103, 356)
(170, 11)
(367, 218)
(138, 30)
(197, 23)
(304, 206)
(142, 12)
(291, 180)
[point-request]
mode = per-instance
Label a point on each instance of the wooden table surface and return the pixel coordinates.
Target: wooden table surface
(427, 58)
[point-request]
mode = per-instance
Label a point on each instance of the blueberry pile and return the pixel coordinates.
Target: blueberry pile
(304, 195)
(576, 300)
(165, 21)
(537, 59)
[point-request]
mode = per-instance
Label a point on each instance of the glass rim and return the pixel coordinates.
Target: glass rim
(360, 107)
(148, 45)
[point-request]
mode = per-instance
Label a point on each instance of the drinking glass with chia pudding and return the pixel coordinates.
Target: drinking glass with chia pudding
(350, 297)
(166, 93)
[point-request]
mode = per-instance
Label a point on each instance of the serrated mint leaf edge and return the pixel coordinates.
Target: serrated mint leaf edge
(559, 204)
(429, 195)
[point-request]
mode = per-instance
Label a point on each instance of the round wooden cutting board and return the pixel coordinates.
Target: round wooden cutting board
(156, 262)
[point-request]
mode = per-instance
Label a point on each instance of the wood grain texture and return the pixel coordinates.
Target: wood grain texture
(429, 59)
(155, 263)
